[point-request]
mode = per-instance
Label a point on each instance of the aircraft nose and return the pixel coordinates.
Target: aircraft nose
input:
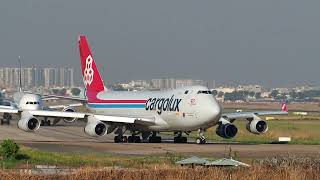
(212, 111)
(216, 109)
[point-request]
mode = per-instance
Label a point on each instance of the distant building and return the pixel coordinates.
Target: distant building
(250, 88)
(225, 89)
(36, 77)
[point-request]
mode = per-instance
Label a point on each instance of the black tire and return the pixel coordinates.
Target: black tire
(137, 139)
(124, 139)
(116, 139)
(184, 139)
(152, 139)
(176, 139)
(180, 140)
(130, 139)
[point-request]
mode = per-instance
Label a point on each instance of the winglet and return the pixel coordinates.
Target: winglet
(284, 106)
(91, 76)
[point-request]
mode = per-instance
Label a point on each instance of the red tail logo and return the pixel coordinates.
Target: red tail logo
(88, 71)
(284, 106)
(91, 76)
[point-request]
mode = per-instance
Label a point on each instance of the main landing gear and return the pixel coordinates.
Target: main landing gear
(120, 138)
(6, 119)
(154, 138)
(179, 138)
(134, 138)
(201, 139)
(45, 122)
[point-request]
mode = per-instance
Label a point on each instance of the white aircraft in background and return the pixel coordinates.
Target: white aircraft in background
(180, 110)
(29, 107)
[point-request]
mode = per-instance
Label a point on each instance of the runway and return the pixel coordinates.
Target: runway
(71, 138)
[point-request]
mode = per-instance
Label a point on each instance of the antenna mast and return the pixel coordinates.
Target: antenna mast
(20, 74)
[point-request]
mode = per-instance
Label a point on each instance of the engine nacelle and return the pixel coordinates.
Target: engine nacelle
(95, 127)
(227, 130)
(28, 122)
(257, 126)
(69, 109)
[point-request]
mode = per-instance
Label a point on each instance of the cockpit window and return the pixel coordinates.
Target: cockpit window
(186, 92)
(32, 103)
(204, 92)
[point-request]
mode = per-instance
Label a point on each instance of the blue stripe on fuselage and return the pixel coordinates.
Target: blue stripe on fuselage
(116, 105)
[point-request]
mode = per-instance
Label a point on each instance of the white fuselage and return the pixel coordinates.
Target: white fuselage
(28, 101)
(181, 109)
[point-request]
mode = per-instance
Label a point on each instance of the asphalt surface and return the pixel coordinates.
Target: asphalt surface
(71, 138)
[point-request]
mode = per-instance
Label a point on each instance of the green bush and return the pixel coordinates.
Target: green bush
(9, 148)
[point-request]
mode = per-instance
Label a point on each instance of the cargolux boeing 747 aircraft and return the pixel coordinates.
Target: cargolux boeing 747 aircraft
(146, 113)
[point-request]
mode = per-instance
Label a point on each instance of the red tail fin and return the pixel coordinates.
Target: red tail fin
(91, 76)
(284, 106)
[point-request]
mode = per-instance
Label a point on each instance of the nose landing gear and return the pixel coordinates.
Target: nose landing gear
(201, 139)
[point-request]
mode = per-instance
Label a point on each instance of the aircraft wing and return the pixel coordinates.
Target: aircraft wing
(103, 118)
(64, 106)
(79, 115)
(248, 115)
(126, 120)
(8, 109)
(48, 97)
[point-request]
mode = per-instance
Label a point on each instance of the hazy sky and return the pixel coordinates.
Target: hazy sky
(274, 43)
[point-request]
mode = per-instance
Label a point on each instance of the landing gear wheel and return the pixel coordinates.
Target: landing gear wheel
(120, 139)
(116, 139)
(137, 139)
(6, 119)
(180, 140)
(201, 141)
(155, 139)
(134, 139)
(124, 139)
(45, 123)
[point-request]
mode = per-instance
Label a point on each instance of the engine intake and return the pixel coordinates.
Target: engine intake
(69, 120)
(257, 126)
(95, 127)
(227, 130)
(28, 122)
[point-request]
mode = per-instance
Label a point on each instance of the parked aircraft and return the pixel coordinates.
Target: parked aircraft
(27, 105)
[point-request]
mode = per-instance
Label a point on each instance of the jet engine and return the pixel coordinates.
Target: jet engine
(28, 122)
(95, 127)
(69, 109)
(257, 126)
(227, 130)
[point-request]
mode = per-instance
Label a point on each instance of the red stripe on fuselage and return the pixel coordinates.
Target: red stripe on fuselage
(92, 98)
(119, 101)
